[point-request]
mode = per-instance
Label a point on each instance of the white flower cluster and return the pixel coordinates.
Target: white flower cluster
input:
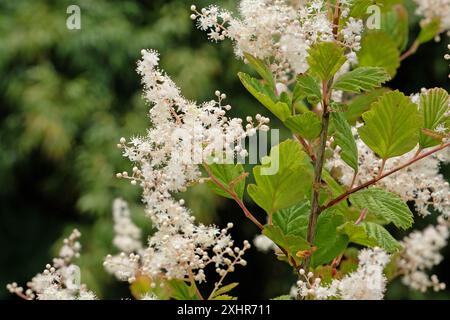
(435, 9)
(279, 31)
(181, 130)
(421, 253)
(127, 234)
(421, 182)
(366, 283)
(60, 281)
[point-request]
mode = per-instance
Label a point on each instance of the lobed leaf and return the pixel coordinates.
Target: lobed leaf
(307, 87)
(284, 178)
(228, 174)
(328, 241)
(385, 205)
(434, 106)
(371, 235)
(307, 124)
(392, 125)
(379, 50)
(265, 96)
(429, 30)
(344, 138)
(362, 79)
(325, 59)
(262, 68)
(293, 220)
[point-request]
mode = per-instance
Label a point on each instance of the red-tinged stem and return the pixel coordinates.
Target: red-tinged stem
(410, 51)
(375, 180)
(235, 197)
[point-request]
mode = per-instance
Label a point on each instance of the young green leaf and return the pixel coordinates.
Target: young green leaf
(395, 23)
(262, 68)
(265, 96)
(293, 220)
(308, 125)
(284, 178)
(384, 204)
(224, 297)
(429, 30)
(283, 297)
(291, 243)
(230, 175)
(344, 138)
(307, 87)
(371, 235)
(434, 105)
(362, 79)
(392, 125)
(378, 50)
(328, 241)
(325, 59)
(225, 289)
(180, 290)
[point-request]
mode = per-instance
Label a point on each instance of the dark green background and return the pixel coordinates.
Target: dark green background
(66, 97)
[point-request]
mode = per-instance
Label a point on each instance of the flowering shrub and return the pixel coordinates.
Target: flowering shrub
(356, 157)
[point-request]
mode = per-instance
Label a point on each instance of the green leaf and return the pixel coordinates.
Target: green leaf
(284, 178)
(392, 125)
(307, 87)
(180, 290)
(328, 241)
(344, 138)
(225, 289)
(395, 23)
(261, 67)
(140, 287)
(308, 125)
(293, 220)
(428, 31)
(378, 50)
(434, 107)
(359, 8)
(385, 205)
(284, 97)
(325, 59)
(283, 297)
(226, 174)
(291, 243)
(371, 235)
(362, 79)
(224, 297)
(383, 238)
(265, 96)
(361, 103)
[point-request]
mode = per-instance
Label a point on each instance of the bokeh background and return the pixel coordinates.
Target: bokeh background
(67, 96)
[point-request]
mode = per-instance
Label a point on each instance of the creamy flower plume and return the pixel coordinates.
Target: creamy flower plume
(366, 283)
(166, 161)
(435, 9)
(59, 281)
(279, 31)
(421, 182)
(421, 253)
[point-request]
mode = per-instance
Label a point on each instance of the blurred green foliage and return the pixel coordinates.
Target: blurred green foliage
(67, 96)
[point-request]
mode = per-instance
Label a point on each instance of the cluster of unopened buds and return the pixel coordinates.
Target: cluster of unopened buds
(308, 284)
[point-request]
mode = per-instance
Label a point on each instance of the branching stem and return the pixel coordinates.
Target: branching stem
(235, 197)
(384, 175)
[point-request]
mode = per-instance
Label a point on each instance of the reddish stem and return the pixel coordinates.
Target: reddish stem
(375, 180)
